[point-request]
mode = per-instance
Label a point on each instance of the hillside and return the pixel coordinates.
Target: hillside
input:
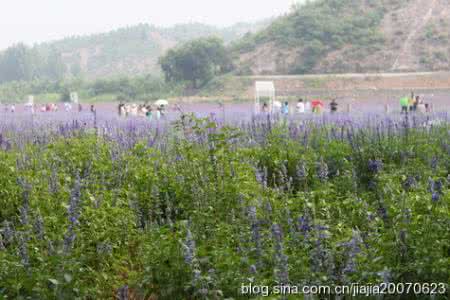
(341, 36)
(133, 50)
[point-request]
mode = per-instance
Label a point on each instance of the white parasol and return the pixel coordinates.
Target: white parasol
(161, 102)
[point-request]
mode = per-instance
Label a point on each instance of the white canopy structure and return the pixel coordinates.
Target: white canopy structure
(74, 97)
(264, 89)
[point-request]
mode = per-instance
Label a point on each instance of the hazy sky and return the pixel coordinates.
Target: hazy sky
(33, 21)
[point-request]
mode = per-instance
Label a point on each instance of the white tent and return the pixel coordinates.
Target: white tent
(264, 89)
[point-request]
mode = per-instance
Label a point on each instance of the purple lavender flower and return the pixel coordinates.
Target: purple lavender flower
(319, 256)
(2, 245)
(261, 177)
(431, 185)
(39, 227)
(434, 163)
(282, 267)
(301, 172)
(304, 225)
(375, 166)
(8, 232)
(322, 170)
(53, 181)
(410, 183)
(353, 249)
(189, 248)
(435, 188)
(439, 184)
(23, 249)
(435, 197)
(291, 225)
(256, 231)
(73, 215)
(24, 209)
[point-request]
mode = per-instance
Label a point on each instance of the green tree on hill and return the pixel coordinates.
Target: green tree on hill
(17, 63)
(21, 63)
(197, 61)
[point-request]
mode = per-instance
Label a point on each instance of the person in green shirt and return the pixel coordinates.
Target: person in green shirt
(149, 113)
(404, 102)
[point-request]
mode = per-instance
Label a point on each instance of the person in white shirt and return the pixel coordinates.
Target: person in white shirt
(308, 106)
(300, 106)
(67, 106)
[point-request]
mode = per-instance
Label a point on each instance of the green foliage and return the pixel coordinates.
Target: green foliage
(21, 63)
(142, 207)
(122, 52)
(140, 88)
(197, 61)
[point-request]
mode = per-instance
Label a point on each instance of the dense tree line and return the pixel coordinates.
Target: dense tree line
(139, 88)
(22, 63)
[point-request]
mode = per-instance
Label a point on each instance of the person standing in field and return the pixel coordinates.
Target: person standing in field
(149, 113)
(404, 102)
(411, 102)
(308, 106)
(265, 108)
(285, 108)
(13, 108)
(416, 103)
(300, 106)
(420, 105)
(333, 106)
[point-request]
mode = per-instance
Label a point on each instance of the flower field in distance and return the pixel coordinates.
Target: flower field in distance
(97, 207)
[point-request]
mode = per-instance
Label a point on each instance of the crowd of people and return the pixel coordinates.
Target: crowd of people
(408, 104)
(414, 104)
(125, 110)
(302, 106)
(44, 108)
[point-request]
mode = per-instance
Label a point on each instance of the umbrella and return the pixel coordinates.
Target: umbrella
(161, 102)
(316, 103)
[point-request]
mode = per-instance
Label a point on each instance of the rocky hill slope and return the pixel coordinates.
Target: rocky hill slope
(341, 36)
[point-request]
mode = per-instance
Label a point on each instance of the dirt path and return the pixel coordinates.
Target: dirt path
(406, 58)
(344, 75)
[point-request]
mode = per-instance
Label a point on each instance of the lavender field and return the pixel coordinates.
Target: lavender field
(94, 206)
